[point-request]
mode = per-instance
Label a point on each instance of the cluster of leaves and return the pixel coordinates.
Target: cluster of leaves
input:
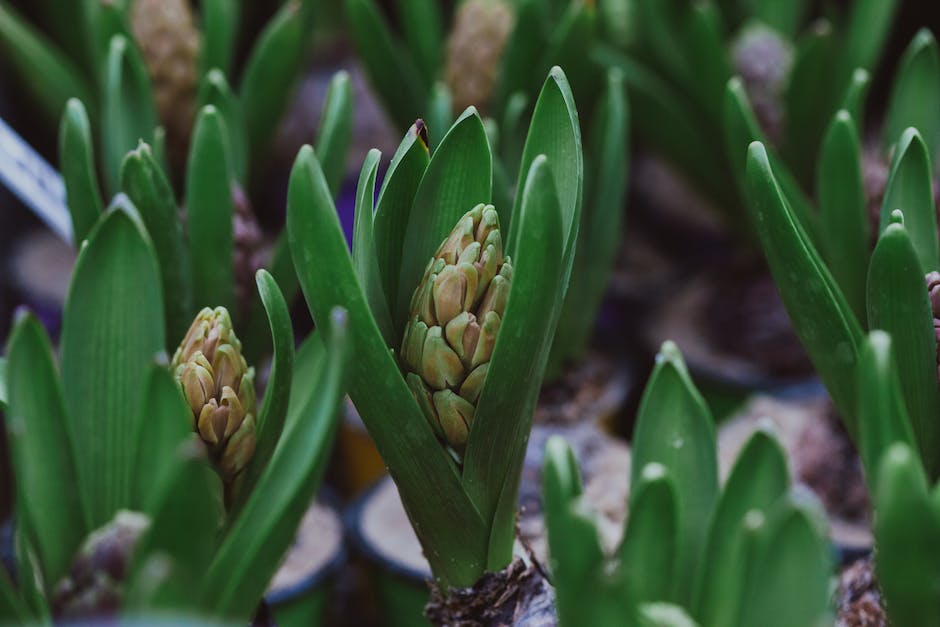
(109, 430)
(464, 515)
(543, 34)
(884, 384)
(686, 100)
(753, 553)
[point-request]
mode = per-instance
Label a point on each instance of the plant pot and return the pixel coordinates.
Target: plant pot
(820, 457)
(300, 592)
(360, 463)
(380, 531)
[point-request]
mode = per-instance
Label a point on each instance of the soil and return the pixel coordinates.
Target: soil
(593, 390)
(857, 598)
(317, 543)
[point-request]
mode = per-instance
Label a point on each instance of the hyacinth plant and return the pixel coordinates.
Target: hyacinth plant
(681, 59)
(452, 306)
(885, 384)
(149, 489)
(492, 57)
(754, 552)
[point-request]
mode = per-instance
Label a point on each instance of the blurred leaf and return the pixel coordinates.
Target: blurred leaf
(819, 312)
(214, 90)
(273, 411)
(144, 182)
(112, 327)
(674, 428)
(28, 569)
(758, 479)
(440, 113)
(785, 17)
(854, 98)
(44, 70)
(104, 21)
(128, 112)
(219, 32)
(77, 164)
(209, 212)
(882, 416)
(458, 177)
(907, 532)
(4, 398)
(915, 96)
(844, 210)
(866, 31)
(393, 207)
(254, 547)
(65, 21)
(40, 439)
(712, 68)
(522, 55)
(898, 303)
(166, 423)
(267, 84)
(335, 131)
(394, 75)
(910, 189)
(662, 35)
(503, 418)
(12, 609)
(569, 39)
(649, 548)
(423, 25)
(449, 527)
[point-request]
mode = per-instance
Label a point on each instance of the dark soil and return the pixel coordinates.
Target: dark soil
(592, 390)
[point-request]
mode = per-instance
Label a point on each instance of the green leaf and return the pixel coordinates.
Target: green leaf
(335, 130)
(818, 310)
(522, 52)
(907, 532)
(12, 609)
(255, 545)
(219, 32)
(30, 579)
(458, 177)
(844, 210)
(166, 422)
(112, 327)
(209, 212)
(556, 133)
(4, 394)
(898, 304)
(915, 96)
(674, 428)
(451, 530)
(44, 70)
(144, 182)
(854, 99)
(267, 83)
(785, 17)
(393, 74)
(393, 207)
(273, 412)
(103, 21)
(172, 558)
(40, 438)
(128, 111)
(758, 479)
(423, 26)
(439, 114)
(705, 41)
(77, 163)
(663, 36)
(649, 548)
(882, 417)
(214, 90)
(910, 189)
(865, 34)
(503, 417)
(570, 37)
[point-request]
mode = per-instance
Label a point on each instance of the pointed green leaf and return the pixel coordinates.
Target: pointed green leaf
(915, 96)
(219, 32)
(112, 326)
(866, 31)
(674, 428)
(144, 182)
(449, 527)
(423, 26)
(854, 98)
(41, 449)
(907, 532)
(255, 545)
(209, 212)
(503, 417)
(214, 90)
(758, 479)
(439, 115)
(77, 163)
(393, 207)
(910, 189)
(898, 303)
(128, 111)
(820, 315)
(844, 210)
(335, 130)
(166, 422)
(458, 177)
(649, 548)
(882, 417)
